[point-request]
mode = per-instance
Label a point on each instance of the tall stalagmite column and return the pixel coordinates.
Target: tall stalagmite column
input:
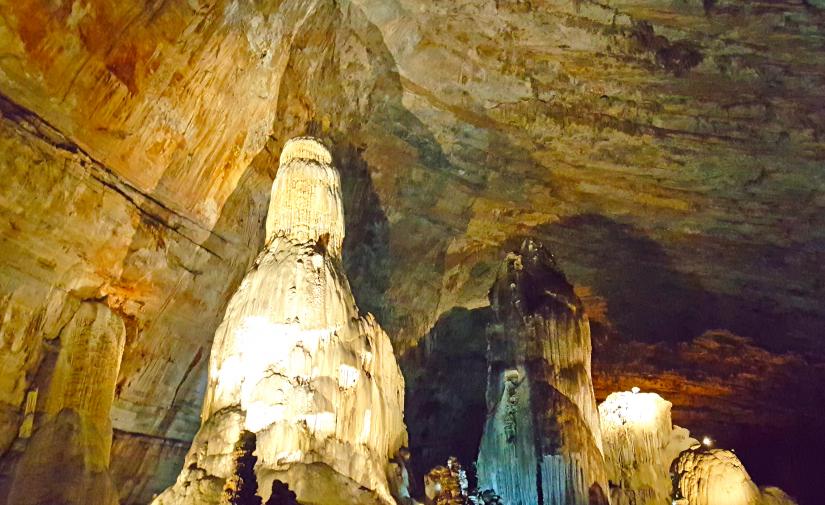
(541, 442)
(295, 363)
(66, 460)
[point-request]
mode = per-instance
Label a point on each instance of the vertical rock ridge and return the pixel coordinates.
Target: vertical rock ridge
(541, 442)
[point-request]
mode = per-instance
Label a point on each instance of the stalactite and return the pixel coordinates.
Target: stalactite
(294, 362)
(542, 441)
(66, 459)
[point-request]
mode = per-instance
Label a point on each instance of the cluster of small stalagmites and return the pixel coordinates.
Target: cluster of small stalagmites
(66, 459)
(639, 442)
(704, 476)
(541, 440)
(446, 485)
(294, 362)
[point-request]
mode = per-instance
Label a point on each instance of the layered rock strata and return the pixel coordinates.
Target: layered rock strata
(295, 363)
(640, 442)
(66, 460)
(541, 442)
(703, 476)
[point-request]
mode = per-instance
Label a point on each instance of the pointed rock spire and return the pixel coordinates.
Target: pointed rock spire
(295, 363)
(541, 442)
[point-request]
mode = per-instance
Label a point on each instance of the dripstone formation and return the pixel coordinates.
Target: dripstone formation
(640, 442)
(296, 364)
(541, 442)
(703, 476)
(66, 460)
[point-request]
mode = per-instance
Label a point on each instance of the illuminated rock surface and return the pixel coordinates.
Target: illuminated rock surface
(717, 477)
(541, 442)
(670, 153)
(295, 363)
(640, 443)
(66, 460)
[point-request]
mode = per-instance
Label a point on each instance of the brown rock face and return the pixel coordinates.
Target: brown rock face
(669, 153)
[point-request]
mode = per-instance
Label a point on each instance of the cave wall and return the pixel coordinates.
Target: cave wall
(669, 153)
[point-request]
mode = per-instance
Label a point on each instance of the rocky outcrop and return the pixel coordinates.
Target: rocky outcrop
(66, 461)
(541, 442)
(640, 442)
(294, 362)
(705, 476)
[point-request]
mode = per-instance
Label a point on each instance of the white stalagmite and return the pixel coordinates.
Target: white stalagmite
(66, 461)
(295, 363)
(640, 442)
(705, 476)
(541, 441)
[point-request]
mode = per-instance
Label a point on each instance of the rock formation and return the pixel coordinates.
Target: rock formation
(703, 476)
(640, 442)
(295, 363)
(446, 485)
(66, 460)
(138, 142)
(541, 442)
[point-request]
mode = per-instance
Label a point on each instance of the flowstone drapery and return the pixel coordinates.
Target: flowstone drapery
(541, 442)
(640, 442)
(295, 363)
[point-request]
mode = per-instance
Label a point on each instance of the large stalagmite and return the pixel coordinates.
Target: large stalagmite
(541, 442)
(295, 363)
(66, 461)
(640, 442)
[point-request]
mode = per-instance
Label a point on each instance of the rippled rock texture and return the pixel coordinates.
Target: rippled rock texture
(542, 442)
(294, 364)
(640, 442)
(708, 476)
(669, 153)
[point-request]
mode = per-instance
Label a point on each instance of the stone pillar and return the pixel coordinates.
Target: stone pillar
(541, 442)
(66, 459)
(295, 362)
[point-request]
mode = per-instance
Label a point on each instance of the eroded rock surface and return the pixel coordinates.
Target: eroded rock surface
(66, 460)
(670, 153)
(714, 476)
(542, 441)
(296, 364)
(640, 443)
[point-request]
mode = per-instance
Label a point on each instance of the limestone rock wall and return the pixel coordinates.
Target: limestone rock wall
(542, 441)
(295, 363)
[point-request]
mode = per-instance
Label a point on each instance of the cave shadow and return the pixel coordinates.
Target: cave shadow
(366, 251)
(648, 298)
(445, 403)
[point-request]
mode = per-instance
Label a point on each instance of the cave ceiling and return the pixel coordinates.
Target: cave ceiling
(671, 154)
